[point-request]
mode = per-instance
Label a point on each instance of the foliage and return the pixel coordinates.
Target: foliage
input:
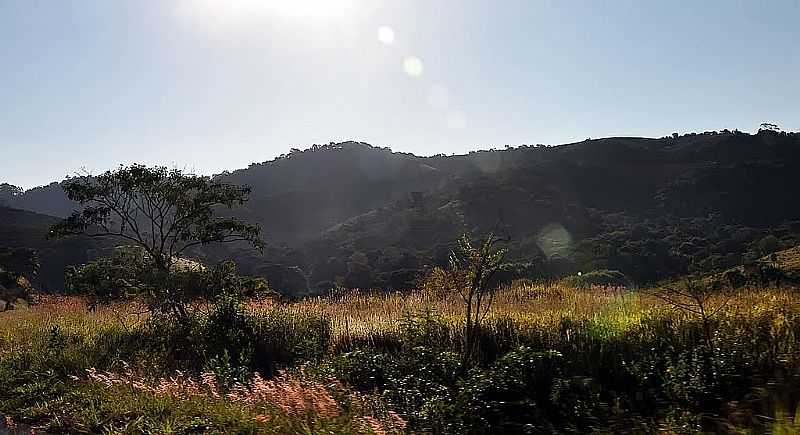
(551, 359)
(8, 193)
(162, 211)
(128, 273)
(17, 268)
(527, 391)
(118, 276)
(652, 209)
(470, 276)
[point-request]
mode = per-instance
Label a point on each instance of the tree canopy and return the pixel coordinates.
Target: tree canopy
(164, 211)
(8, 193)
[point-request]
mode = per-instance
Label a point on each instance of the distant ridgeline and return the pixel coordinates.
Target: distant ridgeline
(354, 215)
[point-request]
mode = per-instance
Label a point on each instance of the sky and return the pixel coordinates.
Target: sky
(210, 85)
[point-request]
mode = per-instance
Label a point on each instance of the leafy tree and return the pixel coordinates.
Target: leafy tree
(163, 211)
(470, 274)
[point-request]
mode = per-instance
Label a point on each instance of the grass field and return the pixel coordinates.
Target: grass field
(607, 360)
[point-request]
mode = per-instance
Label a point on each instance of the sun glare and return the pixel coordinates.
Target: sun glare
(218, 15)
(312, 9)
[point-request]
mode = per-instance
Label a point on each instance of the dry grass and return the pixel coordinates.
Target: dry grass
(23, 326)
(293, 397)
(589, 322)
(360, 316)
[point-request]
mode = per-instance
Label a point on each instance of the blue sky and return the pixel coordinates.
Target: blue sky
(210, 85)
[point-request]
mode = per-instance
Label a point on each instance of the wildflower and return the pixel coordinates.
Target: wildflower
(397, 421)
(373, 424)
(288, 395)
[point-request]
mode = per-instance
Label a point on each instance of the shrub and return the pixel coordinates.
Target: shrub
(128, 273)
(228, 338)
(527, 391)
(417, 382)
(281, 338)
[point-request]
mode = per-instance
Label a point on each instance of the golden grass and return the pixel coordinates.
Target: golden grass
(286, 397)
(360, 316)
(789, 259)
(22, 328)
(549, 315)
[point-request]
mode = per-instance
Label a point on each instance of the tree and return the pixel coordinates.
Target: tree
(470, 274)
(163, 211)
(699, 302)
(8, 193)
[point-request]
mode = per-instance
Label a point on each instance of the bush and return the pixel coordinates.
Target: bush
(128, 273)
(419, 383)
(227, 340)
(526, 391)
(282, 338)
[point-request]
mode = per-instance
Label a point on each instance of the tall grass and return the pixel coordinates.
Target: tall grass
(640, 360)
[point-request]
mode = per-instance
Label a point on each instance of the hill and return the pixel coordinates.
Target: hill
(20, 228)
(363, 216)
(652, 208)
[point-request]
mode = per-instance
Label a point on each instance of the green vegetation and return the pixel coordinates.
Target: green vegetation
(671, 308)
(357, 216)
(17, 267)
(548, 358)
(163, 213)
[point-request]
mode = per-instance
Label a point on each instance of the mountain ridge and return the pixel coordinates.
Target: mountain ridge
(362, 216)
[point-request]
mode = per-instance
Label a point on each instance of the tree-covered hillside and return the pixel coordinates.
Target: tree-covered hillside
(360, 216)
(24, 229)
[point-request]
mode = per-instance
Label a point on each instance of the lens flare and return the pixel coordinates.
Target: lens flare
(386, 34)
(412, 66)
(555, 241)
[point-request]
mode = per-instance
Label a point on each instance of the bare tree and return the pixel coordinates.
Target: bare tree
(697, 300)
(694, 299)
